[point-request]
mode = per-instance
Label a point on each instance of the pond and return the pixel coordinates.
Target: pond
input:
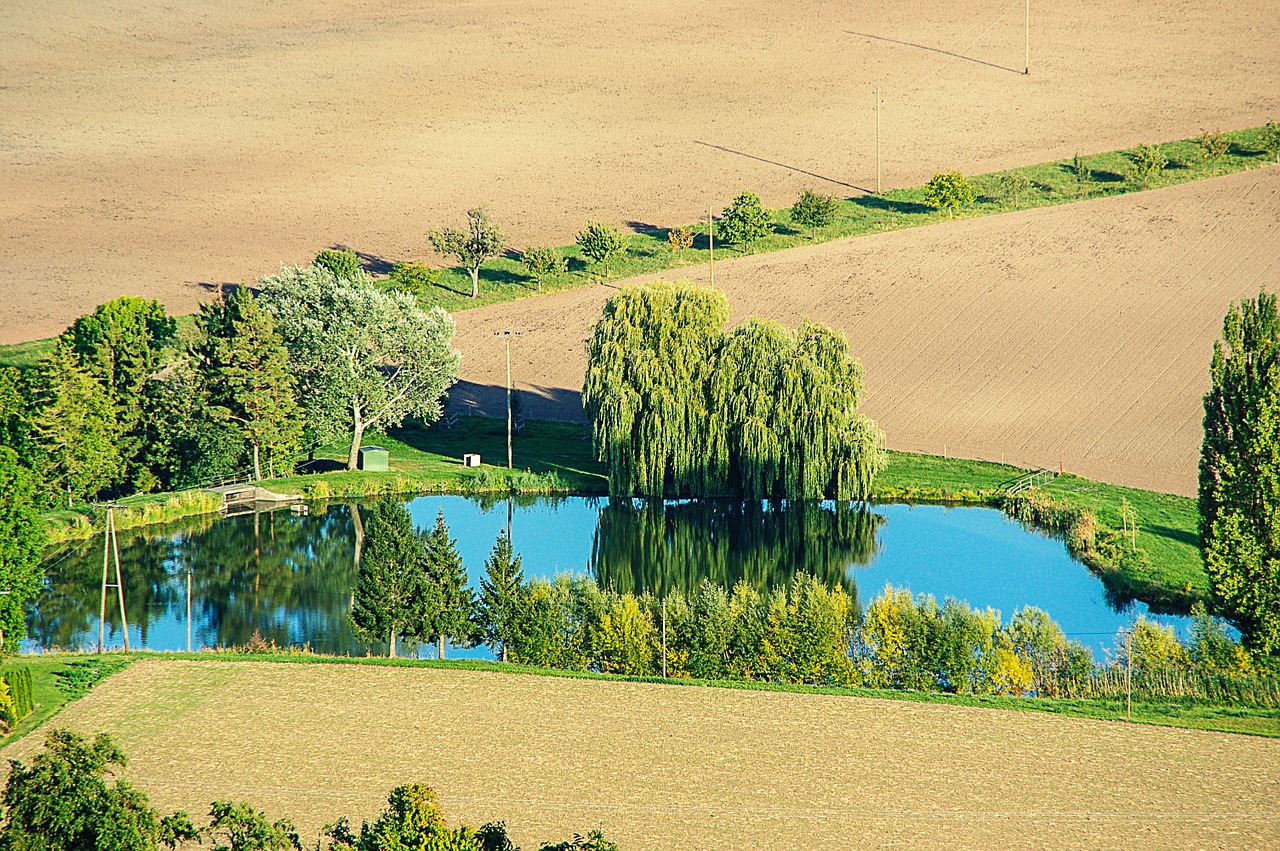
(290, 576)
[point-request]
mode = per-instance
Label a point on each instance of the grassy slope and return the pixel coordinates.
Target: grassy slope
(1052, 183)
(49, 698)
(1186, 714)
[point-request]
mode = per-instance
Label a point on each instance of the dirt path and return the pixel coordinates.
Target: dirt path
(670, 768)
(160, 148)
(1078, 333)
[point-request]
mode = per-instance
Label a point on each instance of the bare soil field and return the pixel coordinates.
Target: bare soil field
(1079, 333)
(670, 767)
(158, 148)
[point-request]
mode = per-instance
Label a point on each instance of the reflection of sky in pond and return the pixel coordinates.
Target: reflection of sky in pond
(290, 577)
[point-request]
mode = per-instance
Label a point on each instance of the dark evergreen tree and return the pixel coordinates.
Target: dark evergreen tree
(499, 595)
(22, 536)
(452, 616)
(391, 592)
(1240, 473)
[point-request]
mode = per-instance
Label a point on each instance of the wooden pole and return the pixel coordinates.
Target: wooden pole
(508, 340)
(664, 637)
(711, 246)
(188, 610)
(1027, 68)
(1128, 675)
(115, 546)
(102, 609)
(877, 141)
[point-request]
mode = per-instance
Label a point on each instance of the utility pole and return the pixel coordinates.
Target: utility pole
(877, 141)
(1128, 675)
(711, 245)
(188, 610)
(111, 544)
(507, 335)
(1027, 68)
(664, 636)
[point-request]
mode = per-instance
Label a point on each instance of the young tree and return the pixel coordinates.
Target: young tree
(414, 278)
(482, 240)
(344, 264)
(122, 344)
(240, 827)
(365, 359)
(74, 432)
(949, 191)
(500, 590)
(1271, 139)
(243, 367)
(1213, 148)
(392, 592)
(602, 243)
(813, 210)
(452, 617)
(744, 220)
(1082, 173)
(1240, 473)
(1011, 186)
(679, 239)
(22, 538)
(63, 802)
(1145, 162)
(543, 261)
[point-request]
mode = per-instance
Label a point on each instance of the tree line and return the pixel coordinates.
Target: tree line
(64, 801)
(804, 632)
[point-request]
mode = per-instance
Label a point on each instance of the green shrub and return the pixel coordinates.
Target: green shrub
(744, 221)
(414, 278)
(344, 265)
(21, 695)
(1145, 162)
(949, 191)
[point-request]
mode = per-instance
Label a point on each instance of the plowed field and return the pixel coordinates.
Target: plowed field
(1079, 334)
(158, 148)
(669, 767)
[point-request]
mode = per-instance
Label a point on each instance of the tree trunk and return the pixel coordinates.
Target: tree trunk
(440, 652)
(257, 468)
(504, 651)
(391, 645)
(359, 524)
(475, 281)
(356, 437)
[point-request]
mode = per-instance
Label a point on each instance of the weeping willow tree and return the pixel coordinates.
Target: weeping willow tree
(680, 408)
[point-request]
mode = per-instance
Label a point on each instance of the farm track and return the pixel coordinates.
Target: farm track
(1079, 333)
(670, 768)
(161, 149)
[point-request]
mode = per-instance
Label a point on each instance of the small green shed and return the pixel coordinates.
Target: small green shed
(374, 459)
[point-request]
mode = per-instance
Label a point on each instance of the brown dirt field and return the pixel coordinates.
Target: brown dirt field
(156, 148)
(1081, 333)
(670, 767)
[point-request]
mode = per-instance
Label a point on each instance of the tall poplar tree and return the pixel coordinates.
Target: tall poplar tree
(499, 595)
(451, 615)
(244, 368)
(1240, 473)
(392, 593)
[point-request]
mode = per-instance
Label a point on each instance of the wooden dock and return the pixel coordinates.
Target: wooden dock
(243, 498)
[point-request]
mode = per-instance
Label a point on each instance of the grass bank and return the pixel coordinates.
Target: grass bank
(1187, 714)
(1049, 184)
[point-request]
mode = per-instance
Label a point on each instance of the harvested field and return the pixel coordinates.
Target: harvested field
(1079, 333)
(668, 767)
(161, 148)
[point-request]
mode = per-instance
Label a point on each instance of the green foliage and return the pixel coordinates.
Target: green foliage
(1271, 139)
(414, 278)
(1011, 186)
(626, 641)
(243, 368)
(1145, 162)
(481, 241)
(1240, 473)
(595, 840)
(21, 696)
(74, 439)
(80, 676)
(453, 612)
(343, 263)
(678, 407)
(1083, 174)
(949, 191)
(553, 623)
(1212, 648)
(500, 589)
(63, 802)
(13, 407)
(185, 445)
(678, 239)
(602, 243)
(543, 262)
(1155, 650)
(813, 210)
(22, 539)
(807, 634)
(240, 827)
(1213, 148)
(392, 596)
(412, 821)
(365, 359)
(744, 220)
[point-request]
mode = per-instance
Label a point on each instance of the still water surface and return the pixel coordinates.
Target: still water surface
(290, 577)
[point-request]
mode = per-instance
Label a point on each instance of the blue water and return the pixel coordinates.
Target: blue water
(290, 577)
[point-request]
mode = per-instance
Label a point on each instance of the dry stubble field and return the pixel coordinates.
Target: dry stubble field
(671, 767)
(154, 148)
(1081, 332)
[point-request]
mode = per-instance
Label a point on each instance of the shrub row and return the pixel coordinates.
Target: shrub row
(17, 699)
